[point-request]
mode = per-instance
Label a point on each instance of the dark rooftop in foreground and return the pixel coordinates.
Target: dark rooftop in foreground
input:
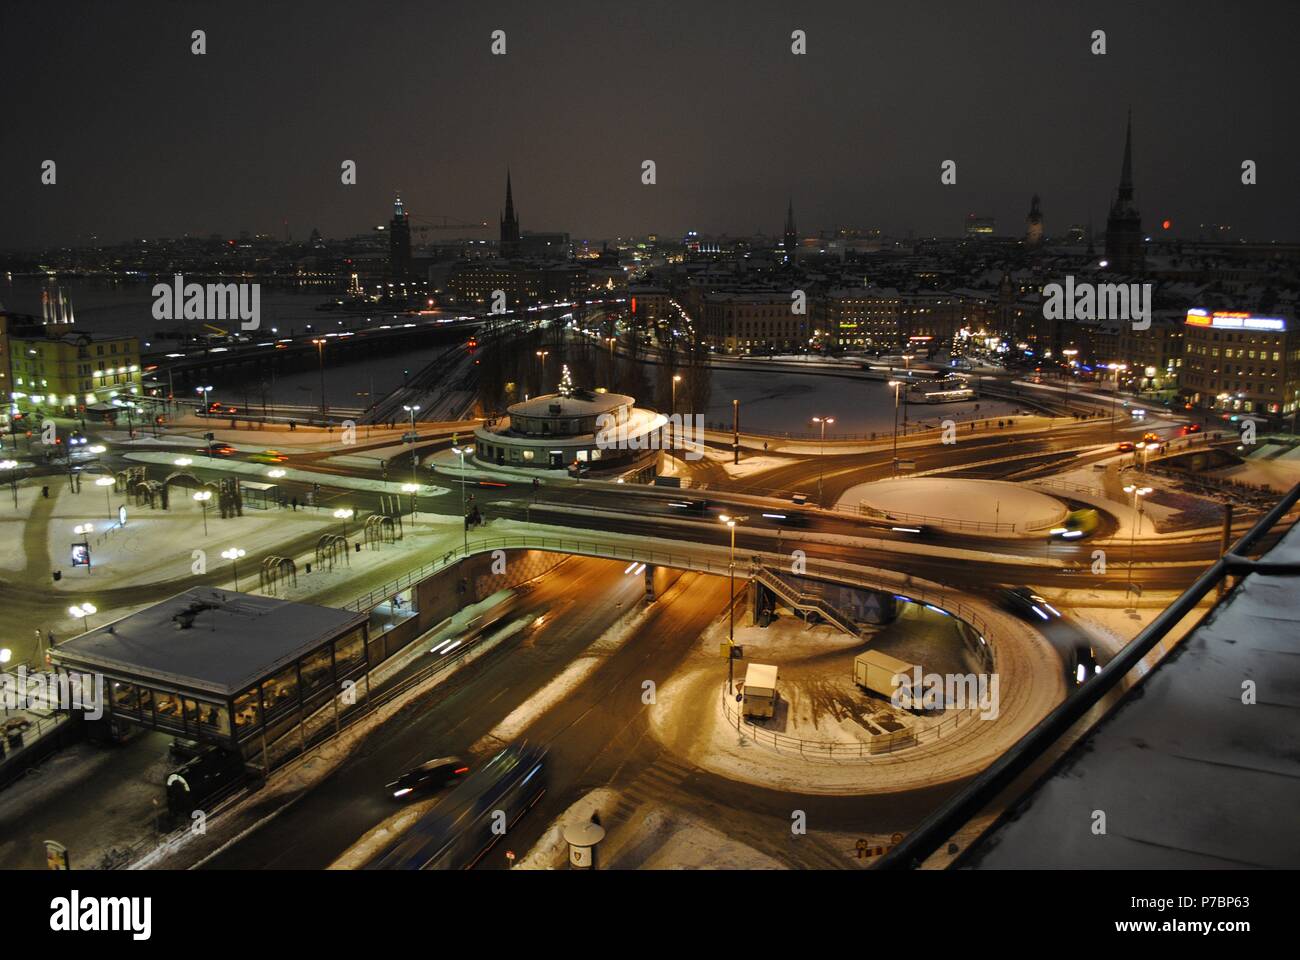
(1187, 774)
(206, 638)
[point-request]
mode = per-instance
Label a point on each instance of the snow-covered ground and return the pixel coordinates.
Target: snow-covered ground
(258, 471)
(946, 501)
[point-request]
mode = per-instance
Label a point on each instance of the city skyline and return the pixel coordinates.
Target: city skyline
(736, 123)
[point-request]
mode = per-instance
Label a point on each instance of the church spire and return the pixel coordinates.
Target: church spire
(1126, 171)
(509, 223)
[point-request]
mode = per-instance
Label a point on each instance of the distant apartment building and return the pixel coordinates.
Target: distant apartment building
(752, 322)
(862, 318)
(1239, 363)
(472, 284)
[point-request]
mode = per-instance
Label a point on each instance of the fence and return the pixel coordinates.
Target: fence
(863, 749)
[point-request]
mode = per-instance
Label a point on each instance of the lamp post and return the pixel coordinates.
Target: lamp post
(907, 373)
(12, 466)
(344, 514)
(821, 456)
(205, 391)
(542, 356)
(460, 452)
(731, 605)
(1138, 494)
(233, 554)
(107, 483)
(895, 384)
(320, 360)
(677, 378)
(83, 611)
(203, 496)
(411, 410)
(412, 489)
(1114, 393)
(612, 371)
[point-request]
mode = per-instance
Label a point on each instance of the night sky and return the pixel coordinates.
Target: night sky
(151, 140)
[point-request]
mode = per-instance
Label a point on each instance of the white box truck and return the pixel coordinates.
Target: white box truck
(760, 690)
(875, 672)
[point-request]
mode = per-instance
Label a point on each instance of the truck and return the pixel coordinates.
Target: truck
(760, 690)
(874, 672)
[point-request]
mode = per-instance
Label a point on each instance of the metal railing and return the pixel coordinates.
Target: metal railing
(932, 832)
(860, 750)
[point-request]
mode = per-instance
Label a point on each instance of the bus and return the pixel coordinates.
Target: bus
(949, 396)
(465, 824)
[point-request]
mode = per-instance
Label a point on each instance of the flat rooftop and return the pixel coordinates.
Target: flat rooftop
(233, 640)
(1188, 775)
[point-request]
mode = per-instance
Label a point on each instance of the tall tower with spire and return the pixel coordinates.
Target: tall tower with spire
(399, 241)
(509, 224)
(1125, 251)
(790, 240)
(1034, 224)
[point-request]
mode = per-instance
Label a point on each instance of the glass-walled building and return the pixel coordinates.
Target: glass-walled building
(248, 673)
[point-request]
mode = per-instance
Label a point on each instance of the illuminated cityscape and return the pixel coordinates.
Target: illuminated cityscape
(595, 439)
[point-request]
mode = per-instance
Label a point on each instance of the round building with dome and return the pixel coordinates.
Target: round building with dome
(593, 429)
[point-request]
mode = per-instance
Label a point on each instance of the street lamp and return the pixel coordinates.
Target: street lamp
(542, 354)
(107, 483)
(820, 457)
(731, 606)
(414, 460)
(203, 496)
(461, 452)
(412, 489)
(895, 384)
(205, 391)
(233, 555)
(344, 514)
(320, 358)
(1138, 493)
(1114, 393)
(11, 466)
(83, 611)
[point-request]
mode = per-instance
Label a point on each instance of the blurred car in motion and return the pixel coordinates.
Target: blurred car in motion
(428, 776)
(1125, 446)
(467, 822)
(1028, 604)
(217, 450)
(1078, 524)
(1085, 664)
(269, 456)
(1191, 428)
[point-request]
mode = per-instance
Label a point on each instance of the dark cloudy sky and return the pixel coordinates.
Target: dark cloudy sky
(153, 141)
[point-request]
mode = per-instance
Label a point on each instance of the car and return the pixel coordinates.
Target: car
(428, 776)
(1125, 446)
(1191, 428)
(1151, 438)
(216, 450)
(1028, 604)
(689, 506)
(269, 456)
(787, 518)
(1085, 664)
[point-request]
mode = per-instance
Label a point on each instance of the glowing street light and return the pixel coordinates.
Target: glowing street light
(107, 483)
(731, 607)
(344, 514)
(233, 554)
(83, 611)
(275, 473)
(203, 496)
(1138, 494)
(182, 461)
(820, 468)
(896, 384)
(11, 466)
(412, 489)
(461, 452)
